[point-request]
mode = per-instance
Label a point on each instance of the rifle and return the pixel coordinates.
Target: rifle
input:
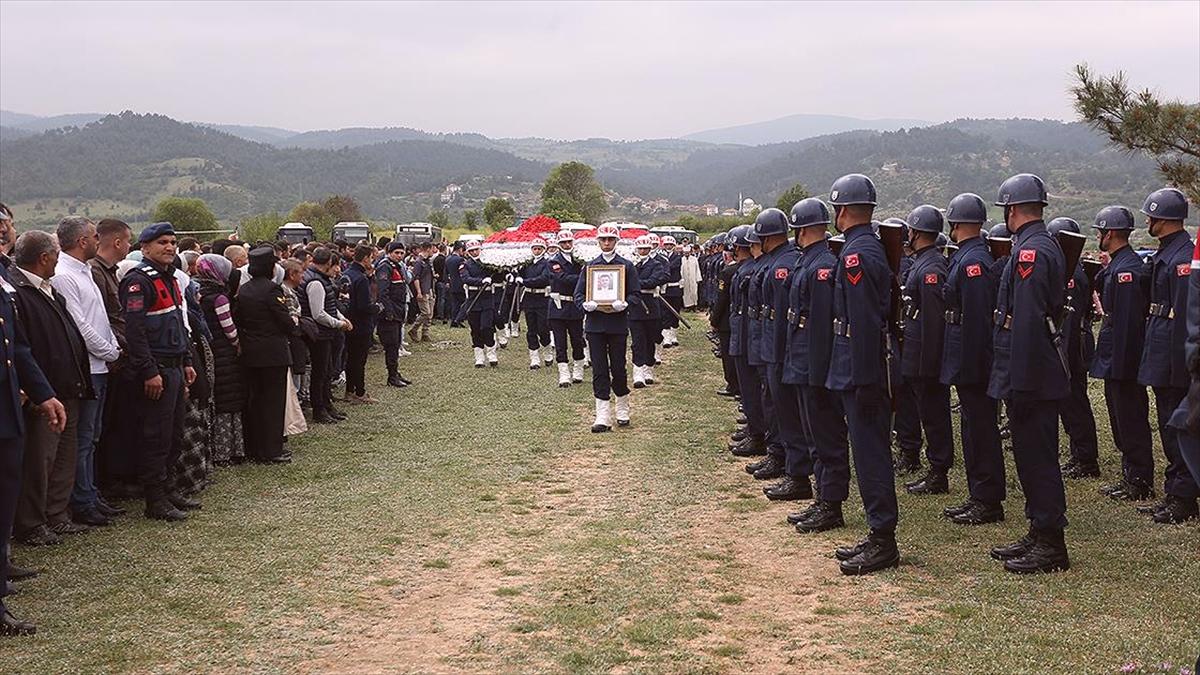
(836, 243)
(672, 311)
(1072, 248)
(1091, 268)
(892, 237)
(466, 309)
(515, 310)
(1000, 247)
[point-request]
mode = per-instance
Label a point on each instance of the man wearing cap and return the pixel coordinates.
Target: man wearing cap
(264, 324)
(672, 291)
(1163, 367)
(481, 316)
(645, 314)
(391, 290)
(752, 440)
(566, 319)
(607, 330)
(534, 279)
(1125, 298)
(458, 296)
(157, 347)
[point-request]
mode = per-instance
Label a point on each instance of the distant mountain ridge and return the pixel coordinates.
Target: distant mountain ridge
(797, 128)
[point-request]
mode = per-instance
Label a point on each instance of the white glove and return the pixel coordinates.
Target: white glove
(519, 281)
(589, 306)
(508, 278)
(619, 305)
(487, 281)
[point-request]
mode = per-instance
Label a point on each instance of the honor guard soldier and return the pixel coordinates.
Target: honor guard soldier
(1000, 244)
(1186, 418)
(809, 322)
(672, 291)
(772, 466)
(533, 281)
(780, 257)
(924, 320)
(719, 315)
(607, 332)
(859, 369)
(566, 319)
(751, 442)
(392, 293)
(906, 417)
(1076, 413)
(1163, 367)
(969, 296)
(157, 347)
(645, 315)
(660, 254)
(481, 309)
(1125, 298)
(1029, 372)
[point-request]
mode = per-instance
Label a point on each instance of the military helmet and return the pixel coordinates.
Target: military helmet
(1060, 224)
(966, 208)
(739, 236)
(925, 218)
(642, 242)
(537, 241)
(472, 245)
(667, 240)
(853, 188)
(999, 232)
(608, 230)
(770, 222)
(942, 241)
(1023, 188)
(565, 235)
(1114, 218)
(808, 212)
(653, 239)
(1166, 204)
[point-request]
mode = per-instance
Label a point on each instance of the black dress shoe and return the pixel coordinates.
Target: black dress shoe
(749, 448)
(39, 536)
(1177, 510)
(724, 391)
(163, 509)
(1077, 470)
(740, 434)
(18, 573)
(951, 511)
(109, 510)
(90, 517)
(789, 489)
(183, 503)
(1048, 554)
(600, 428)
(396, 381)
(880, 553)
(848, 552)
(742, 419)
(1111, 488)
(1151, 509)
(932, 484)
(322, 417)
(773, 468)
(1014, 550)
(11, 626)
(337, 414)
(904, 465)
(980, 514)
(807, 511)
(1133, 492)
(828, 516)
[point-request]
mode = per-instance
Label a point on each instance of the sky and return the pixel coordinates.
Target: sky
(580, 70)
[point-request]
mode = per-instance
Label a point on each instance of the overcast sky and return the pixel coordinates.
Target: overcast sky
(572, 70)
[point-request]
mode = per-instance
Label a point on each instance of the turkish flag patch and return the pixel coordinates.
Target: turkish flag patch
(135, 302)
(1025, 270)
(931, 278)
(556, 267)
(1124, 277)
(1183, 270)
(781, 273)
(1027, 255)
(852, 260)
(854, 277)
(975, 270)
(823, 274)
(1070, 283)
(135, 288)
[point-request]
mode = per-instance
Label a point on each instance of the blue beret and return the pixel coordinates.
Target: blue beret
(155, 231)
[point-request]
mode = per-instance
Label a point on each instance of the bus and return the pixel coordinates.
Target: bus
(294, 233)
(353, 232)
(418, 233)
(682, 235)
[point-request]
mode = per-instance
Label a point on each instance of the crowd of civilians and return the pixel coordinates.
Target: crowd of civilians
(268, 333)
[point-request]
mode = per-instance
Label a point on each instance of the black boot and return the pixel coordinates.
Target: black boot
(789, 489)
(1075, 469)
(323, 417)
(773, 468)
(1132, 491)
(1048, 554)
(738, 435)
(1016, 549)
(1177, 510)
(933, 483)
(183, 503)
(951, 511)
(793, 518)
(162, 509)
(880, 553)
(1151, 509)
(980, 514)
(337, 414)
(11, 626)
(750, 447)
(755, 466)
(848, 552)
(906, 463)
(828, 516)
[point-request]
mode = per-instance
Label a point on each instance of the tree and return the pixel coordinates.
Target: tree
(498, 213)
(185, 213)
(261, 227)
(315, 216)
(343, 208)
(571, 188)
(438, 217)
(790, 196)
(471, 220)
(562, 209)
(1140, 123)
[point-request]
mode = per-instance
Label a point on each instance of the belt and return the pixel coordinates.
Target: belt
(473, 288)
(537, 291)
(953, 317)
(1002, 320)
(652, 292)
(675, 284)
(169, 361)
(841, 328)
(797, 320)
(771, 314)
(1162, 309)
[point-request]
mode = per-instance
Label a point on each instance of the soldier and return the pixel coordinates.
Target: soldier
(480, 296)
(645, 314)
(566, 320)
(772, 466)
(806, 364)
(924, 318)
(719, 315)
(751, 442)
(970, 298)
(158, 353)
(1000, 244)
(1076, 412)
(534, 279)
(906, 420)
(1030, 373)
(858, 369)
(1163, 367)
(672, 291)
(1186, 418)
(1124, 297)
(607, 332)
(392, 293)
(660, 333)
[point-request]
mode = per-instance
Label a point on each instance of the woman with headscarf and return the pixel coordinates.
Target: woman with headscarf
(229, 391)
(193, 469)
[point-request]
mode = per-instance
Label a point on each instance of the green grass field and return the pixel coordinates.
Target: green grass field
(471, 523)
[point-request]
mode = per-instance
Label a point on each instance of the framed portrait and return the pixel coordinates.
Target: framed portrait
(605, 285)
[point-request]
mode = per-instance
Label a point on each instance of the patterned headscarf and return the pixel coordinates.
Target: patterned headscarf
(214, 267)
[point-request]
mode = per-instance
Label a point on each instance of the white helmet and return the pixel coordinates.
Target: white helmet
(653, 239)
(537, 241)
(668, 240)
(643, 242)
(566, 235)
(609, 231)
(474, 245)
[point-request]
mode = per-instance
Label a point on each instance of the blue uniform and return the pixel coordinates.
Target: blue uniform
(754, 350)
(1027, 371)
(1076, 411)
(1125, 296)
(645, 317)
(1163, 367)
(673, 288)
(907, 419)
(969, 296)
(743, 315)
(1189, 441)
(857, 372)
(607, 332)
(566, 319)
(921, 357)
(454, 263)
(794, 435)
(391, 291)
(482, 314)
(535, 278)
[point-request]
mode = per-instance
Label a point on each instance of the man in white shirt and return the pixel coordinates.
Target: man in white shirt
(73, 280)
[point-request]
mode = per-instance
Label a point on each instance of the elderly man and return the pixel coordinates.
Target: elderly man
(48, 470)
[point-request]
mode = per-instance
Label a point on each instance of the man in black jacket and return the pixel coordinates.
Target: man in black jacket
(362, 308)
(718, 317)
(264, 324)
(391, 289)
